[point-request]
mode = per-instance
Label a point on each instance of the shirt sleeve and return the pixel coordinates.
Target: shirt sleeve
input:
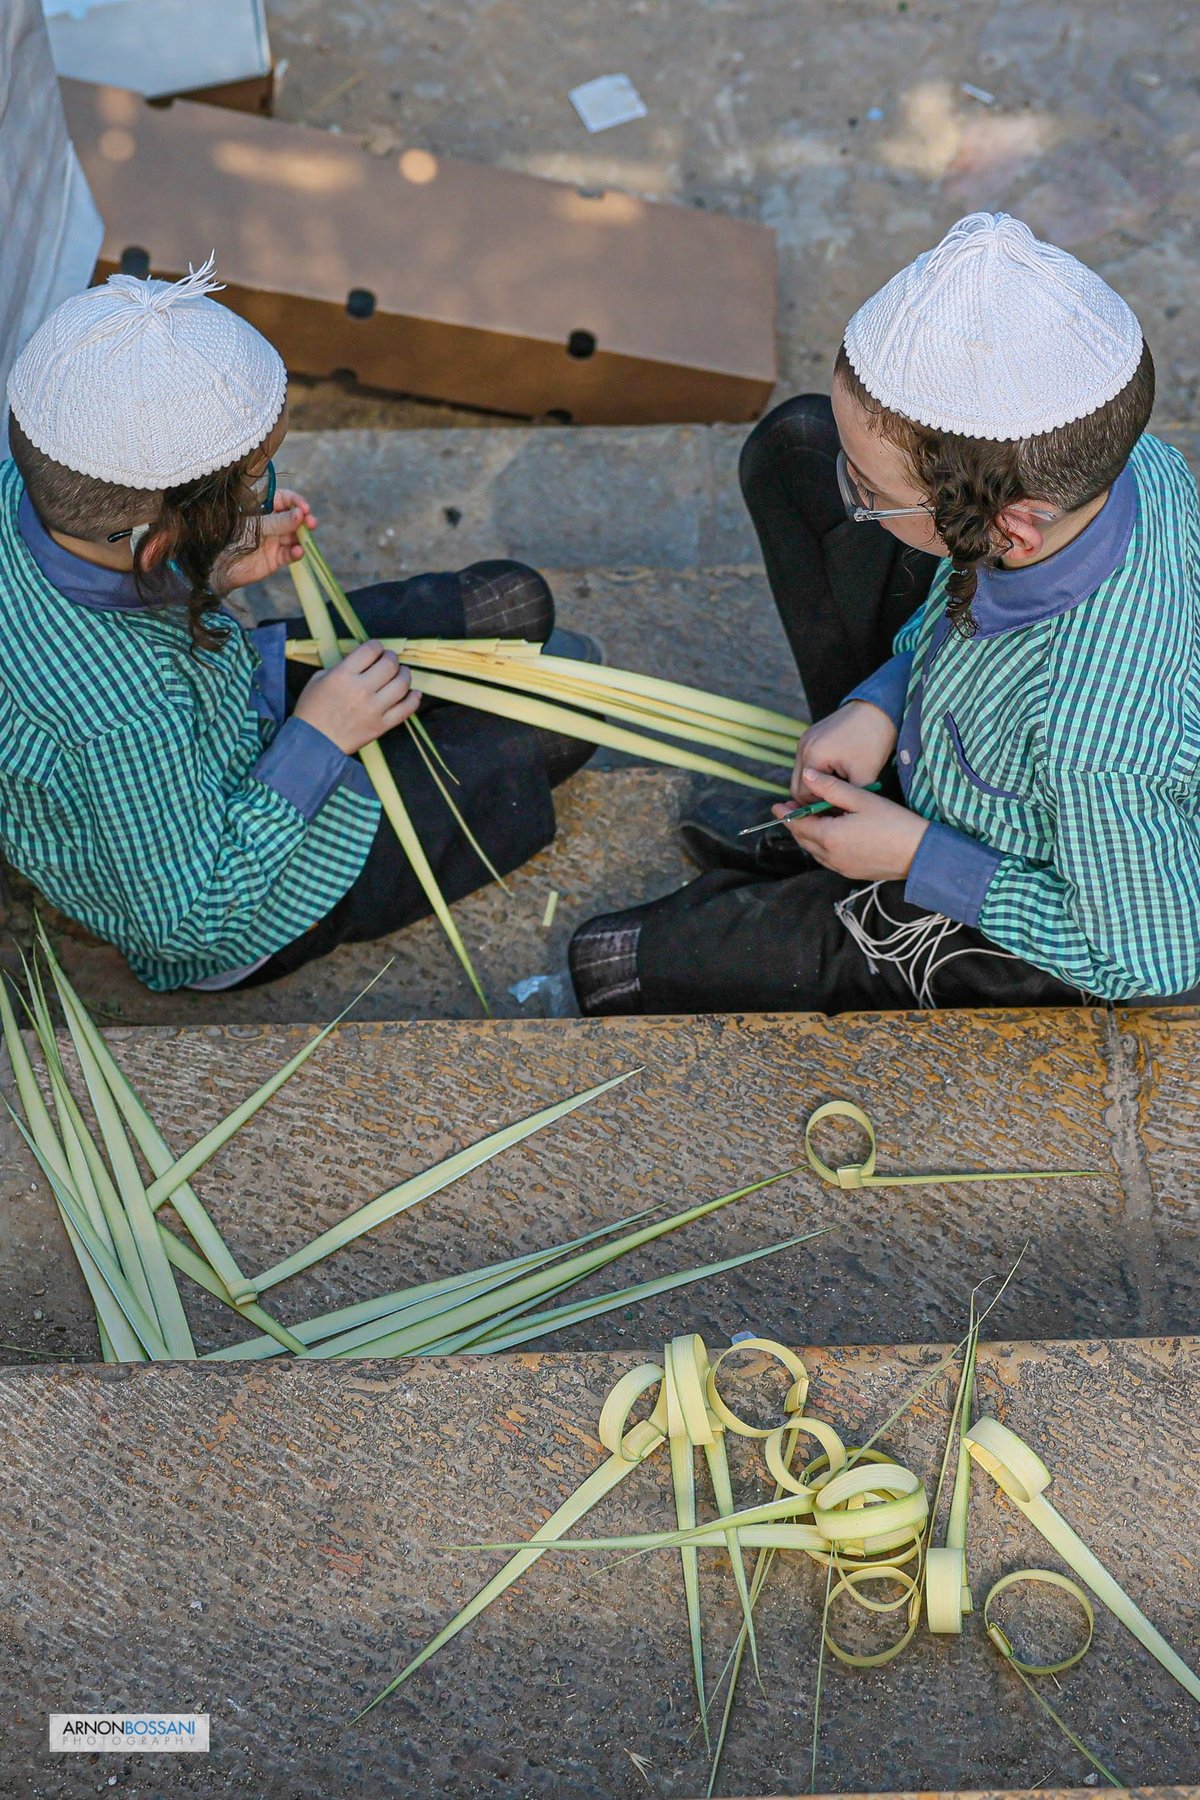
(951, 874)
(305, 766)
(1117, 912)
(887, 688)
(189, 865)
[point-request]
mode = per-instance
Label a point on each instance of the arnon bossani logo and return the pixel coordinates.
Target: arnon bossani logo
(124, 1732)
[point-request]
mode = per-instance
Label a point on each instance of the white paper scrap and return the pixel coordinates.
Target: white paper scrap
(609, 100)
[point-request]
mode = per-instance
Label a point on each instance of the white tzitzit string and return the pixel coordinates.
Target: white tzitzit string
(919, 948)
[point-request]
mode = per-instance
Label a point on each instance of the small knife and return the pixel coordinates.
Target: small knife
(803, 812)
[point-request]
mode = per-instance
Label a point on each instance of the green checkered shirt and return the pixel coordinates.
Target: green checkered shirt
(128, 790)
(1060, 761)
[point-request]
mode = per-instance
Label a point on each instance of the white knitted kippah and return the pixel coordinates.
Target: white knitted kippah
(994, 334)
(147, 384)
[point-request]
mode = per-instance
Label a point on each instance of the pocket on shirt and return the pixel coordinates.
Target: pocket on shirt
(976, 781)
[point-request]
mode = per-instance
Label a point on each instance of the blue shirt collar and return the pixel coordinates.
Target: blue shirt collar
(87, 584)
(1008, 599)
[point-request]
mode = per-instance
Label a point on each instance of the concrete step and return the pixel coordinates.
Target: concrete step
(396, 502)
(719, 1103)
(617, 844)
(268, 1546)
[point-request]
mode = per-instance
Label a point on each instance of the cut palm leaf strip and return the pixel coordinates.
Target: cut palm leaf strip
(947, 1594)
(560, 682)
(1022, 1475)
(225, 1277)
(588, 677)
(127, 1266)
(143, 1129)
(531, 1288)
(472, 1343)
(121, 1196)
(118, 1339)
(586, 690)
(551, 716)
(375, 1212)
(206, 1147)
(766, 1556)
(581, 1311)
(528, 1281)
(316, 613)
(733, 1666)
(819, 1684)
(626, 1450)
(362, 1312)
(1000, 1638)
(427, 749)
(870, 1519)
(862, 1174)
(111, 1274)
(746, 731)
(430, 1181)
(490, 665)
(870, 1512)
(310, 576)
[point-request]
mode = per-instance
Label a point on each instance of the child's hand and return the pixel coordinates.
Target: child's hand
(367, 694)
(873, 840)
(278, 545)
(854, 743)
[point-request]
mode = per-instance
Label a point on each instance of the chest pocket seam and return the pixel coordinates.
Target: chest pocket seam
(960, 756)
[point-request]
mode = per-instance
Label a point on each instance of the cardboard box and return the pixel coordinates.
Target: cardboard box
(215, 50)
(439, 278)
(49, 227)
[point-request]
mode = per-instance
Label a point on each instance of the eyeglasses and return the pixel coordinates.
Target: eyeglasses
(860, 506)
(267, 476)
(858, 502)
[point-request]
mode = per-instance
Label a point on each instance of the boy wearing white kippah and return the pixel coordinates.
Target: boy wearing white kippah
(166, 777)
(990, 578)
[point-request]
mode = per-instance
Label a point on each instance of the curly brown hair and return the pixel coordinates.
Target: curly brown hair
(970, 481)
(191, 525)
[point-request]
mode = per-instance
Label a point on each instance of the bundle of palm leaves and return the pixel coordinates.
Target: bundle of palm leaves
(655, 720)
(112, 1173)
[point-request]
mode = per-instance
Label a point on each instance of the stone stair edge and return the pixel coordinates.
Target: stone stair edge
(992, 1351)
(633, 1027)
(1041, 1793)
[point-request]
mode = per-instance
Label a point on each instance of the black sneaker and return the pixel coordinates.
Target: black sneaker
(710, 835)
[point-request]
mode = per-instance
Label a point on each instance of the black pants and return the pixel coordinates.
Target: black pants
(729, 941)
(503, 768)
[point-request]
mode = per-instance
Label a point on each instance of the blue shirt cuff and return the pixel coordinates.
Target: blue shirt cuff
(887, 688)
(951, 874)
(302, 765)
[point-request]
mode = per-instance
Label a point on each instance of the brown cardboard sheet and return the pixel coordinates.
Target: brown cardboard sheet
(444, 279)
